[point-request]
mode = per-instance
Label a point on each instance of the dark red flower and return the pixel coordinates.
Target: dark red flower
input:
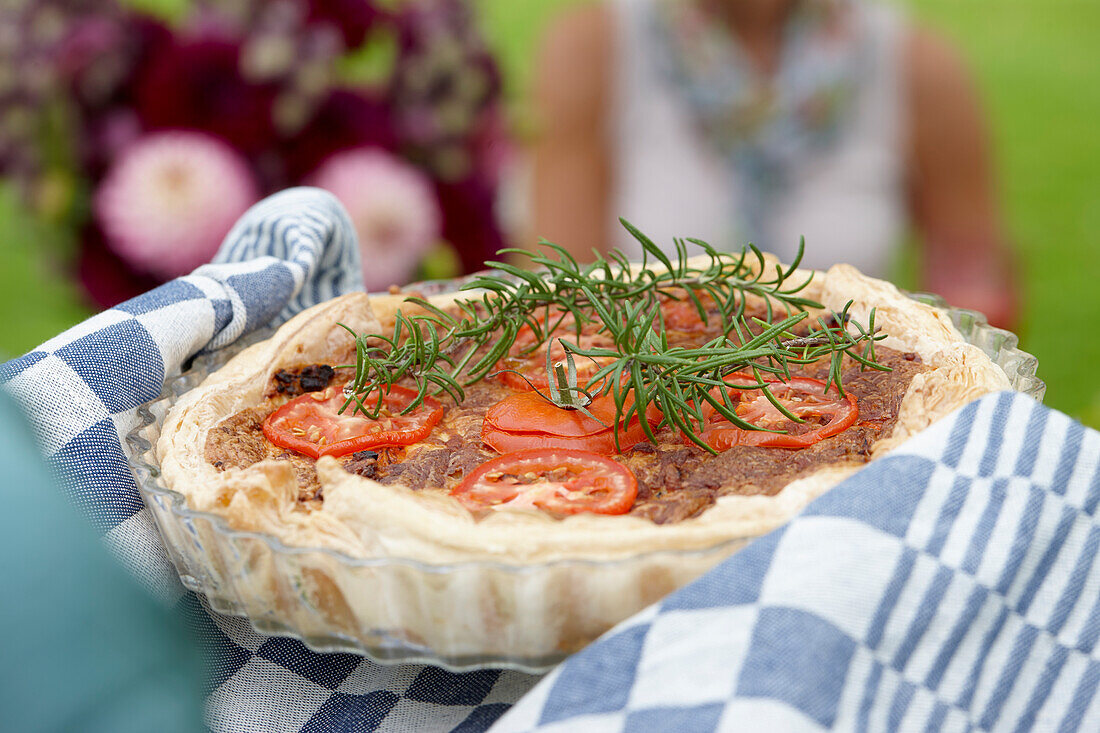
(345, 120)
(106, 278)
(469, 222)
(493, 151)
(196, 84)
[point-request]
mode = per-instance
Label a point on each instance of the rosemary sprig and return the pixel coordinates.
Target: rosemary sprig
(442, 352)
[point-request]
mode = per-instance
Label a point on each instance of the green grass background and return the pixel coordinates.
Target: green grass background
(1039, 71)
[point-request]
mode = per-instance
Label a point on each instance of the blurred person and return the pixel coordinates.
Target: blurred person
(767, 120)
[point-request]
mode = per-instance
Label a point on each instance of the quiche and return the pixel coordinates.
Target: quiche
(540, 502)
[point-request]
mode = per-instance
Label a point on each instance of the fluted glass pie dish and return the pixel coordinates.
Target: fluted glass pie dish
(460, 616)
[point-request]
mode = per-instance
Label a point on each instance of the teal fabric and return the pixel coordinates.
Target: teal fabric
(83, 647)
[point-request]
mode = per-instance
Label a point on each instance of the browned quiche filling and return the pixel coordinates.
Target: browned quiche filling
(676, 480)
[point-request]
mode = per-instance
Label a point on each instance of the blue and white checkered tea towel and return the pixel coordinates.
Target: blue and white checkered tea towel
(80, 391)
(949, 586)
(952, 586)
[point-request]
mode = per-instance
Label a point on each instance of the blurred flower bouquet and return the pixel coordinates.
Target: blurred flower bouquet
(151, 137)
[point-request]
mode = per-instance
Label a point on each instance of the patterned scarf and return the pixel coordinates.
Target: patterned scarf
(763, 127)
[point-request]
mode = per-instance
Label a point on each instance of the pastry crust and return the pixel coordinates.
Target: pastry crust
(361, 518)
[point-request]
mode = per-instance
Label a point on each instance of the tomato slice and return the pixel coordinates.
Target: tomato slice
(683, 316)
(526, 420)
(533, 365)
(603, 443)
(528, 412)
(311, 424)
(826, 413)
(557, 480)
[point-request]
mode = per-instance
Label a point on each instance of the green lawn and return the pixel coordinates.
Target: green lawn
(1040, 71)
(1041, 78)
(37, 301)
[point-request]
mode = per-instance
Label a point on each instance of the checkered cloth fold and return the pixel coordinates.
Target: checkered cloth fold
(950, 586)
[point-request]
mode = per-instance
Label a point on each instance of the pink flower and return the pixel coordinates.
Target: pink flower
(393, 207)
(170, 198)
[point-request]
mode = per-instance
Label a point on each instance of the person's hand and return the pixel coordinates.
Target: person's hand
(983, 284)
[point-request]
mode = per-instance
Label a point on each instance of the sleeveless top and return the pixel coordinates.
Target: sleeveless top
(846, 197)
